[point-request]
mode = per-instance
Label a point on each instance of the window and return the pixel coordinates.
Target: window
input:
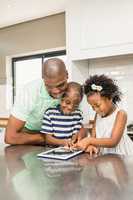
(28, 68)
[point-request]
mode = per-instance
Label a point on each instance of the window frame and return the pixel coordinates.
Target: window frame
(29, 57)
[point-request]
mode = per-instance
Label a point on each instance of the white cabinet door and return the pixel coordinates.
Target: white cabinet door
(99, 28)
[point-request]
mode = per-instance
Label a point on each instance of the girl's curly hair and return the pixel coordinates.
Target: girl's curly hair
(108, 87)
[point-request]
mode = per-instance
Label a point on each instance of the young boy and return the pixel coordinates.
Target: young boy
(63, 124)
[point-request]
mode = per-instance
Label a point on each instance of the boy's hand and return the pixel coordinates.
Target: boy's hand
(67, 142)
(74, 138)
(92, 150)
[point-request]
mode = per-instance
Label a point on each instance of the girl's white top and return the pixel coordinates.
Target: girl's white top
(104, 126)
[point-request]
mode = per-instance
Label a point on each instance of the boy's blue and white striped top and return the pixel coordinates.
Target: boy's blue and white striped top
(60, 125)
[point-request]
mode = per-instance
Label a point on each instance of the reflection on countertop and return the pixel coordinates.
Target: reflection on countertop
(23, 176)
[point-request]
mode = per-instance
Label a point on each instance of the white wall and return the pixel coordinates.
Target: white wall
(121, 69)
(4, 98)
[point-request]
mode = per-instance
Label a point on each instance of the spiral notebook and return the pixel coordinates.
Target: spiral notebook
(60, 153)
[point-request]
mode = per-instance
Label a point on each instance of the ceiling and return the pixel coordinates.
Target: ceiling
(17, 11)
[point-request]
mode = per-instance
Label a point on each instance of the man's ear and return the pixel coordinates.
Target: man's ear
(66, 74)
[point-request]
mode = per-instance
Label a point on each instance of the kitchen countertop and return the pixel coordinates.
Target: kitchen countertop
(23, 176)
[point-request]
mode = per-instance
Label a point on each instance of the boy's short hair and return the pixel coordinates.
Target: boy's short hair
(74, 86)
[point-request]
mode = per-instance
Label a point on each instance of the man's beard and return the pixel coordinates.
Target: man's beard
(57, 96)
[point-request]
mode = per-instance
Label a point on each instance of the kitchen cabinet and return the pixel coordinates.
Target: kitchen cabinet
(99, 28)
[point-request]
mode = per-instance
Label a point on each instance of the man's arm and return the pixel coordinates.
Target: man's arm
(15, 135)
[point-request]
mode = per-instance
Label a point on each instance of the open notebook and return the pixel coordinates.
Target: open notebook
(60, 153)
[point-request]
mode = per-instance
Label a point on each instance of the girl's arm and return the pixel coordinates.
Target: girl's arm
(117, 132)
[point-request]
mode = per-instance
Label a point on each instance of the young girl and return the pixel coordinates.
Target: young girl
(109, 129)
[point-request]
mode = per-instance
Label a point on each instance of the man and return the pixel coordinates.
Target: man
(26, 117)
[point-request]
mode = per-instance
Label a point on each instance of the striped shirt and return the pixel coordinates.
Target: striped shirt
(60, 125)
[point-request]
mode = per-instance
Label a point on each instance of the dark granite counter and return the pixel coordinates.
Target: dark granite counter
(23, 176)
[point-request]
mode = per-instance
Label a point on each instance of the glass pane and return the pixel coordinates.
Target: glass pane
(26, 71)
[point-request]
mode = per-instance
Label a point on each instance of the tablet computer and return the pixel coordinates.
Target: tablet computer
(61, 153)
